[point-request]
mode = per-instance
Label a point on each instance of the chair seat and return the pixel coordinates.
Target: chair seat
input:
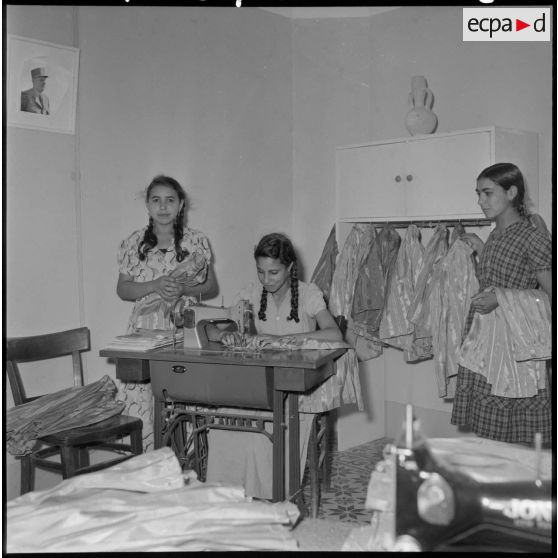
(71, 448)
(118, 425)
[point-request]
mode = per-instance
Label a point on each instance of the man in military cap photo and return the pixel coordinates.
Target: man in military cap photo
(34, 100)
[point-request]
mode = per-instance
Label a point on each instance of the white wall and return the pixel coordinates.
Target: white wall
(202, 94)
(43, 290)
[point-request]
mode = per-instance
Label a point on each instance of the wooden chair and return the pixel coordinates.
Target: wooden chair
(71, 446)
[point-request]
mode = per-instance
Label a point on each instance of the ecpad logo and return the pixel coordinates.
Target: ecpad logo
(506, 24)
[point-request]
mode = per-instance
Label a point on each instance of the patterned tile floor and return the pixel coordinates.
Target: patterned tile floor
(350, 473)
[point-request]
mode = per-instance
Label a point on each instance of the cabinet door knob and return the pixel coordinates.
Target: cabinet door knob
(409, 177)
(397, 178)
(177, 369)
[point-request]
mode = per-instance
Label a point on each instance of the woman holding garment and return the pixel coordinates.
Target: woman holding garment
(516, 255)
(158, 264)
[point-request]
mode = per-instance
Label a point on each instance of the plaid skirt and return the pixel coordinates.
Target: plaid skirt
(514, 420)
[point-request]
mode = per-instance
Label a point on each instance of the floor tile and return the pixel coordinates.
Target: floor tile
(350, 473)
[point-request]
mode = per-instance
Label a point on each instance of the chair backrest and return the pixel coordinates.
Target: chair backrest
(41, 347)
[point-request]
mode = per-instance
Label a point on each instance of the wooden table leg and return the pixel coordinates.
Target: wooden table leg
(278, 494)
(294, 446)
(158, 406)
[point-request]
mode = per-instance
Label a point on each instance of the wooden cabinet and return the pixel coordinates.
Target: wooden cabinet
(427, 177)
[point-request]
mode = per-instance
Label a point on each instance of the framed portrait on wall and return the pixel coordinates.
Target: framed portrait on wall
(42, 80)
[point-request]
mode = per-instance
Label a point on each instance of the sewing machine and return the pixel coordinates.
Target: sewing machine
(470, 494)
(195, 318)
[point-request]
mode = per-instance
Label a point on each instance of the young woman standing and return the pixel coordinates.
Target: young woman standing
(516, 255)
(158, 264)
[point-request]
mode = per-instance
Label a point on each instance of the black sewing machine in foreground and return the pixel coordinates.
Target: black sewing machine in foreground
(470, 494)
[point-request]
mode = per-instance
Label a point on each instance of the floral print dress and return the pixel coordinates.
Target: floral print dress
(150, 311)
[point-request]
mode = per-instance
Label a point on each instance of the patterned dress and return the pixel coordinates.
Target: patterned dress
(510, 259)
(138, 396)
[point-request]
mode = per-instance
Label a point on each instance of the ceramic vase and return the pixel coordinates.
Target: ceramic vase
(420, 119)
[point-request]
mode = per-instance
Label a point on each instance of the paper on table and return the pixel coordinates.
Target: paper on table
(144, 340)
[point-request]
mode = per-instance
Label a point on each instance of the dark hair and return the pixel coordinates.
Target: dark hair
(507, 175)
(279, 247)
(149, 240)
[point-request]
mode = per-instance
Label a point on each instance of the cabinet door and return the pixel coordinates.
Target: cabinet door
(441, 173)
(370, 181)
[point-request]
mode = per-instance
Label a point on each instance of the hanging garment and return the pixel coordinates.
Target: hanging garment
(370, 294)
(343, 388)
(453, 284)
(509, 345)
(354, 251)
(323, 272)
(419, 310)
(395, 329)
(458, 232)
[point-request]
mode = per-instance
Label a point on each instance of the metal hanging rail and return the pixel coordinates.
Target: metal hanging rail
(424, 223)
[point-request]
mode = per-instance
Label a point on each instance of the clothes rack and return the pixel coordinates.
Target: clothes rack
(430, 223)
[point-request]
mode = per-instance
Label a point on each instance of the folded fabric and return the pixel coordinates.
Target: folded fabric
(153, 311)
(65, 409)
(528, 315)
(498, 343)
(127, 508)
(191, 271)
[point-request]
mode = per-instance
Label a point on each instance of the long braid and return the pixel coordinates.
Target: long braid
(263, 306)
(294, 294)
(279, 247)
(149, 241)
(178, 232)
(522, 208)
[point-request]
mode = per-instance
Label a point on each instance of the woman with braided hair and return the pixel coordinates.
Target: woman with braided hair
(158, 264)
(282, 304)
(517, 256)
(283, 308)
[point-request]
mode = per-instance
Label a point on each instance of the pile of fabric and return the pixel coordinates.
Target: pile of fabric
(65, 409)
(146, 504)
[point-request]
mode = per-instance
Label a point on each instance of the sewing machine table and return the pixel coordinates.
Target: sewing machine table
(286, 373)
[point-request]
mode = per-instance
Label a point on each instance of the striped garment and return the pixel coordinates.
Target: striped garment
(453, 285)
(419, 309)
(395, 329)
(370, 294)
(509, 346)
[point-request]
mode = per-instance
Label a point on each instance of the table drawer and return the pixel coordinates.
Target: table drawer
(214, 384)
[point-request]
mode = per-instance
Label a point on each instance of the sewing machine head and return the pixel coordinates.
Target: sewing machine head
(470, 493)
(195, 319)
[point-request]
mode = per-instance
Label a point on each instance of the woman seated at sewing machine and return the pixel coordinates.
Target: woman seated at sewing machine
(284, 310)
